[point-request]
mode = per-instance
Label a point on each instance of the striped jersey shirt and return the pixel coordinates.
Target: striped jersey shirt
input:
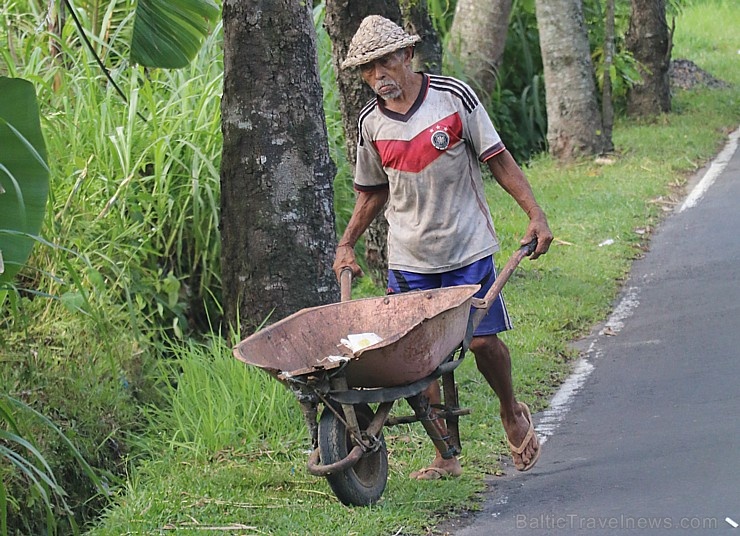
(429, 159)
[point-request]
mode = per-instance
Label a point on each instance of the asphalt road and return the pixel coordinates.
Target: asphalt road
(646, 436)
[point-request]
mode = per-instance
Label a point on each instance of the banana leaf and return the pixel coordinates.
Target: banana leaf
(24, 175)
(168, 33)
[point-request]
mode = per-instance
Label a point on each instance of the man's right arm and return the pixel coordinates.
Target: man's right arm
(511, 178)
(368, 205)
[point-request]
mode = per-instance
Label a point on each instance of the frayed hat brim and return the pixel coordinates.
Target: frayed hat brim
(375, 38)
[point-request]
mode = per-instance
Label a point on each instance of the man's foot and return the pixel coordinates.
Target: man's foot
(439, 469)
(523, 442)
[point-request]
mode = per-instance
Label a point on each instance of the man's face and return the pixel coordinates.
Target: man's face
(387, 74)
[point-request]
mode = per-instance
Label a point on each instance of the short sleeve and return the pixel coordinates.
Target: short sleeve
(369, 172)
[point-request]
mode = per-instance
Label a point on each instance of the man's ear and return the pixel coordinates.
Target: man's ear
(408, 54)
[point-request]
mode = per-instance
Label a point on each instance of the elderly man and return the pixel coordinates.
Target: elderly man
(421, 142)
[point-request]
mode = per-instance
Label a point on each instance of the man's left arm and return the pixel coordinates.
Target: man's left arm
(511, 178)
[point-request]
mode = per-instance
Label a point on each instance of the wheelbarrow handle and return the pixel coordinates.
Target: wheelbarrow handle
(345, 284)
(484, 304)
(529, 247)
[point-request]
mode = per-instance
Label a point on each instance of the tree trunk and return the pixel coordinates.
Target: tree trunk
(607, 106)
(478, 39)
(343, 17)
(649, 41)
(574, 122)
(428, 52)
(277, 215)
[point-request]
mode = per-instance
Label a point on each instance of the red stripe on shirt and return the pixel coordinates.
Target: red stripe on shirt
(417, 153)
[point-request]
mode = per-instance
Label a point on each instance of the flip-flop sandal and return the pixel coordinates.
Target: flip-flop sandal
(525, 442)
(432, 473)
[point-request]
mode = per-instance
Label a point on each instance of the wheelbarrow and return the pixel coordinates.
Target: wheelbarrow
(411, 340)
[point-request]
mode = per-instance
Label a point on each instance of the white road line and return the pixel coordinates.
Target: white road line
(718, 165)
(560, 403)
(627, 304)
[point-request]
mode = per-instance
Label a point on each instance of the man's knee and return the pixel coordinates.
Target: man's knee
(488, 347)
(485, 345)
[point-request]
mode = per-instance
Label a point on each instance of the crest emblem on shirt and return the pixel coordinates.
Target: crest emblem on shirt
(440, 139)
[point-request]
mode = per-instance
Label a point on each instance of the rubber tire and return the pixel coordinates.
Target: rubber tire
(362, 484)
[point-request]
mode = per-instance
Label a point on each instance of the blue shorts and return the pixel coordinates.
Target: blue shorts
(481, 273)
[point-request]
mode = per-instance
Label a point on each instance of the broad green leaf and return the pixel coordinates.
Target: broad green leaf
(73, 301)
(24, 174)
(169, 33)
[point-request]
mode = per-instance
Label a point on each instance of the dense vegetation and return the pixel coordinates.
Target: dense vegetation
(107, 332)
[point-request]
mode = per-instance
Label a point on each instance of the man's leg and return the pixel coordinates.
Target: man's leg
(401, 281)
(494, 362)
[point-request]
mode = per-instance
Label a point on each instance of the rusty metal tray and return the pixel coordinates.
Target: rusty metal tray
(418, 329)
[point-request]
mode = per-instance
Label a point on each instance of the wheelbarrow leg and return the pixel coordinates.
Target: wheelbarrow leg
(452, 414)
(310, 415)
(432, 424)
(339, 383)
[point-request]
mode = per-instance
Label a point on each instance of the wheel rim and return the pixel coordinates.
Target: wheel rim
(368, 466)
(362, 483)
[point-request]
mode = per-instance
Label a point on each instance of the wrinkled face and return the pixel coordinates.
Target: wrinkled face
(387, 74)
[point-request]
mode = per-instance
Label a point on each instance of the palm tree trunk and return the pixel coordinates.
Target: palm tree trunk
(343, 17)
(478, 39)
(574, 122)
(649, 40)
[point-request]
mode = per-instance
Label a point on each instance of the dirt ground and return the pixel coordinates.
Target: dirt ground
(685, 74)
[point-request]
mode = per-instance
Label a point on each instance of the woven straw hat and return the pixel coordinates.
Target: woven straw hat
(376, 37)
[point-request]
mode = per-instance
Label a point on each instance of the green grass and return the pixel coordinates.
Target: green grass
(266, 489)
(707, 35)
(215, 403)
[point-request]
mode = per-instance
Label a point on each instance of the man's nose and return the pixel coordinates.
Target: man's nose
(378, 71)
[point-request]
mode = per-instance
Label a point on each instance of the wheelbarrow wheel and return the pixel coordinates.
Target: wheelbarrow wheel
(363, 483)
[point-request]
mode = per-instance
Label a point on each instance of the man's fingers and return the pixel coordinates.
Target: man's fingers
(355, 268)
(543, 244)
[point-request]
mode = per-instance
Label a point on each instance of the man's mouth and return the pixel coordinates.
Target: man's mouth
(387, 88)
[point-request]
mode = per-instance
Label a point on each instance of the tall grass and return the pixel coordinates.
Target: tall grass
(138, 200)
(130, 243)
(216, 402)
(20, 455)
